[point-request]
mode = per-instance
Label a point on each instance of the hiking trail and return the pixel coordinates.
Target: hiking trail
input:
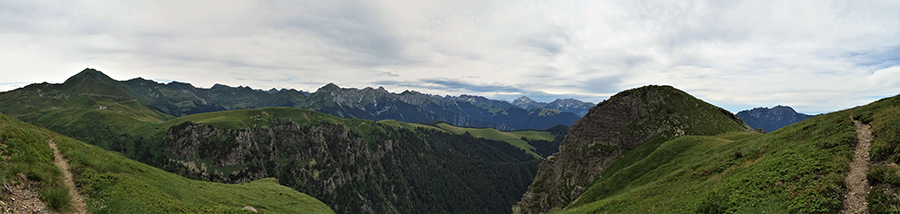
(63, 165)
(857, 185)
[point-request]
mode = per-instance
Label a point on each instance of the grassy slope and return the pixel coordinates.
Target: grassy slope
(26, 153)
(514, 137)
(884, 117)
(112, 183)
(705, 174)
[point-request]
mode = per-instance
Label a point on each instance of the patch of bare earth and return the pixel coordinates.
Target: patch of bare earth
(21, 198)
(63, 165)
(857, 185)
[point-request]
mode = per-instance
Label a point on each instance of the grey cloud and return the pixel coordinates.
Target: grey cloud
(389, 73)
(603, 85)
(461, 85)
(879, 58)
(355, 26)
(551, 42)
(731, 53)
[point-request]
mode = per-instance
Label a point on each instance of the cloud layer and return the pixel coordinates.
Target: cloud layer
(817, 56)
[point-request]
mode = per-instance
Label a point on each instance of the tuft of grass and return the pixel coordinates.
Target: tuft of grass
(57, 198)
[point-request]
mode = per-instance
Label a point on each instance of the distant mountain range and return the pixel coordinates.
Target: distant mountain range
(179, 99)
(566, 105)
(771, 119)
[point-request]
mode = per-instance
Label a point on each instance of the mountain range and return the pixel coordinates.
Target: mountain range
(567, 105)
(353, 165)
(179, 99)
(652, 149)
(771, 119)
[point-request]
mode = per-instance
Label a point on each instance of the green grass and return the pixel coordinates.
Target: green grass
(884, 117)
(513, 137)
(25, 153)
(410, 126)
(112, 183)
(737, 172)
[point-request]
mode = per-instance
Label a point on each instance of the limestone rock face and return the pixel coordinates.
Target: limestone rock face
(612, 128)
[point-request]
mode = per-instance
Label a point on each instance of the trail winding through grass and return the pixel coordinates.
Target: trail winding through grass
(63, 165)
(857, 185)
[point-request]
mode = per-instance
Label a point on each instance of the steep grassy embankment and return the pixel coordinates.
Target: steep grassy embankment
(112, 183)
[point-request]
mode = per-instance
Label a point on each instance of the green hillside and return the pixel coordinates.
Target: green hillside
(884, 174)
(112, 183)
(796, 169)
(25, 156)
(512, 137)
(617, 134)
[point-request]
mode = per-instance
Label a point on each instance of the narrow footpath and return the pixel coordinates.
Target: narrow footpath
(63, 165)
(857, 185)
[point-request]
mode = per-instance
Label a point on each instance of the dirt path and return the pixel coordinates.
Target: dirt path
(857, 185)
(63, 165)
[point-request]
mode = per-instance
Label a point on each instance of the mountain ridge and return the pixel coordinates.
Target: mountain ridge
(771, 119)
(178, 99)
(569, 105)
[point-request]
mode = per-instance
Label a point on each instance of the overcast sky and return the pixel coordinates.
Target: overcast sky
(817, 56)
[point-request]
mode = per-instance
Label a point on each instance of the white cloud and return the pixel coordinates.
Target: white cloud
(815, 55)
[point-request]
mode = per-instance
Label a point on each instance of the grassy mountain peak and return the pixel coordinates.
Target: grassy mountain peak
(636, 122)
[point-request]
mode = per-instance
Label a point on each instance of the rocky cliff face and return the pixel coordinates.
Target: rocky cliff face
(771, 119)
(384, 170)
(613, 127)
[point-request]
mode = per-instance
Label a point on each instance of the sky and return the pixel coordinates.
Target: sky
(816, 56)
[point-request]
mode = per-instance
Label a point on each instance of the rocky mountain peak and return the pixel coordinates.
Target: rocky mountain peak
(771, 119)
(523, 100)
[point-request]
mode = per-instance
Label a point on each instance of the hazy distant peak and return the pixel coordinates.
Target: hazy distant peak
(771, 119)
(522, 99)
